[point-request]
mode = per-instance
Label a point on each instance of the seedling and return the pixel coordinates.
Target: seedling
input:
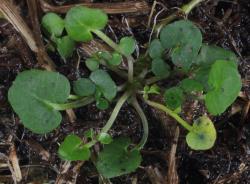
(209, 74)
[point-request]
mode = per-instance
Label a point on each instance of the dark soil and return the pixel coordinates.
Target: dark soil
(225, 23)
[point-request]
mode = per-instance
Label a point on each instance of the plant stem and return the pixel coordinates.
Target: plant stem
(90, 144)
(115, 112)
(171, 113)
(186, 9)
(75, 104)
(74, 97)
(116, 47)
(144, 123)
(107, 40)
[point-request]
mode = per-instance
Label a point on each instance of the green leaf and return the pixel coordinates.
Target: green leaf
(105, 83)
(104, 138)
(115, 60)
(102, 103)
(116, 160)
(155, 49)
(30, 92)
(127, 45)
(53, 24)
(65, 46)
(225, 83)
(185, 40)
(190, 85)
(203, 134)
(92, 64)
(84, 87)
(173, 97)
(104, 55)
(89, 134)
(154, 89)
(209, 54)
(72, 149)
(160, 68)
(80, 21)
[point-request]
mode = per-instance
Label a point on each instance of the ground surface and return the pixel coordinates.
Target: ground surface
(225, 23)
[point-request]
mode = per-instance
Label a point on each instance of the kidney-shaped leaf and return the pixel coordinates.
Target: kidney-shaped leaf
(127, 45)
(104, 83)
(225, 83)
(65, 46)
(26, 97)
(84, 87)
(115, 159)
(203, 134)
(155, 49)
(185, 40)
(80, 21)
(160, 68)
(73, 149)
(53, 24)
(174, 97)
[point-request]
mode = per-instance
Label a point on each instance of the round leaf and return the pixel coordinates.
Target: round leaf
(53, 24)
(65, 46)
(84, 87)
(29, 90)
(102, 103)
(105, 83)
(173, 97)
(72, 149)
(225, 82)
(155, 49)
(190, 85)
(203, 134)
(185, 40)
(160, 68)
(105, 138)
(80, 21)
(115, 60)
(115, 160)
(127, 45)
(92, 64)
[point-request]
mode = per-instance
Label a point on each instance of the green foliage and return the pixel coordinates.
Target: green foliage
(65, 46)
(155, 49)
(37, 90)
(73, 149)
(105, 83)
(81, 21)
(84, 87)
(115, 159)
(127, 45)
(190, 85)
(160, 68)
(174, 97)
(203, 134)
(115, 60)
(53, 24)
(102, 103)
(104, 138)
(184, 39)
(225, 83)
(92, 64)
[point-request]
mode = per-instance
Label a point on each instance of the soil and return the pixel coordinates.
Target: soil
(225, 23)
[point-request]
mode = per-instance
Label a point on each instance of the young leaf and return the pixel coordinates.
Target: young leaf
(105, 83)
(72, 149)
(53, 24)
(185, 40)
(155, 49)
(116, 160)
(209, 54)
(173, 97)
(84, 87)
(92, 64)
(225, 83)
(80, 21)
(102, 103)
(127, 45)
(31, 90)
(160, 68)
(190, 85)
(89, 134)
(203, 134)
(104, 55)
(115, 60)
(65, 46)
(104, 138)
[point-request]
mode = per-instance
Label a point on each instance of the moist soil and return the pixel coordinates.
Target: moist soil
(225, 23)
